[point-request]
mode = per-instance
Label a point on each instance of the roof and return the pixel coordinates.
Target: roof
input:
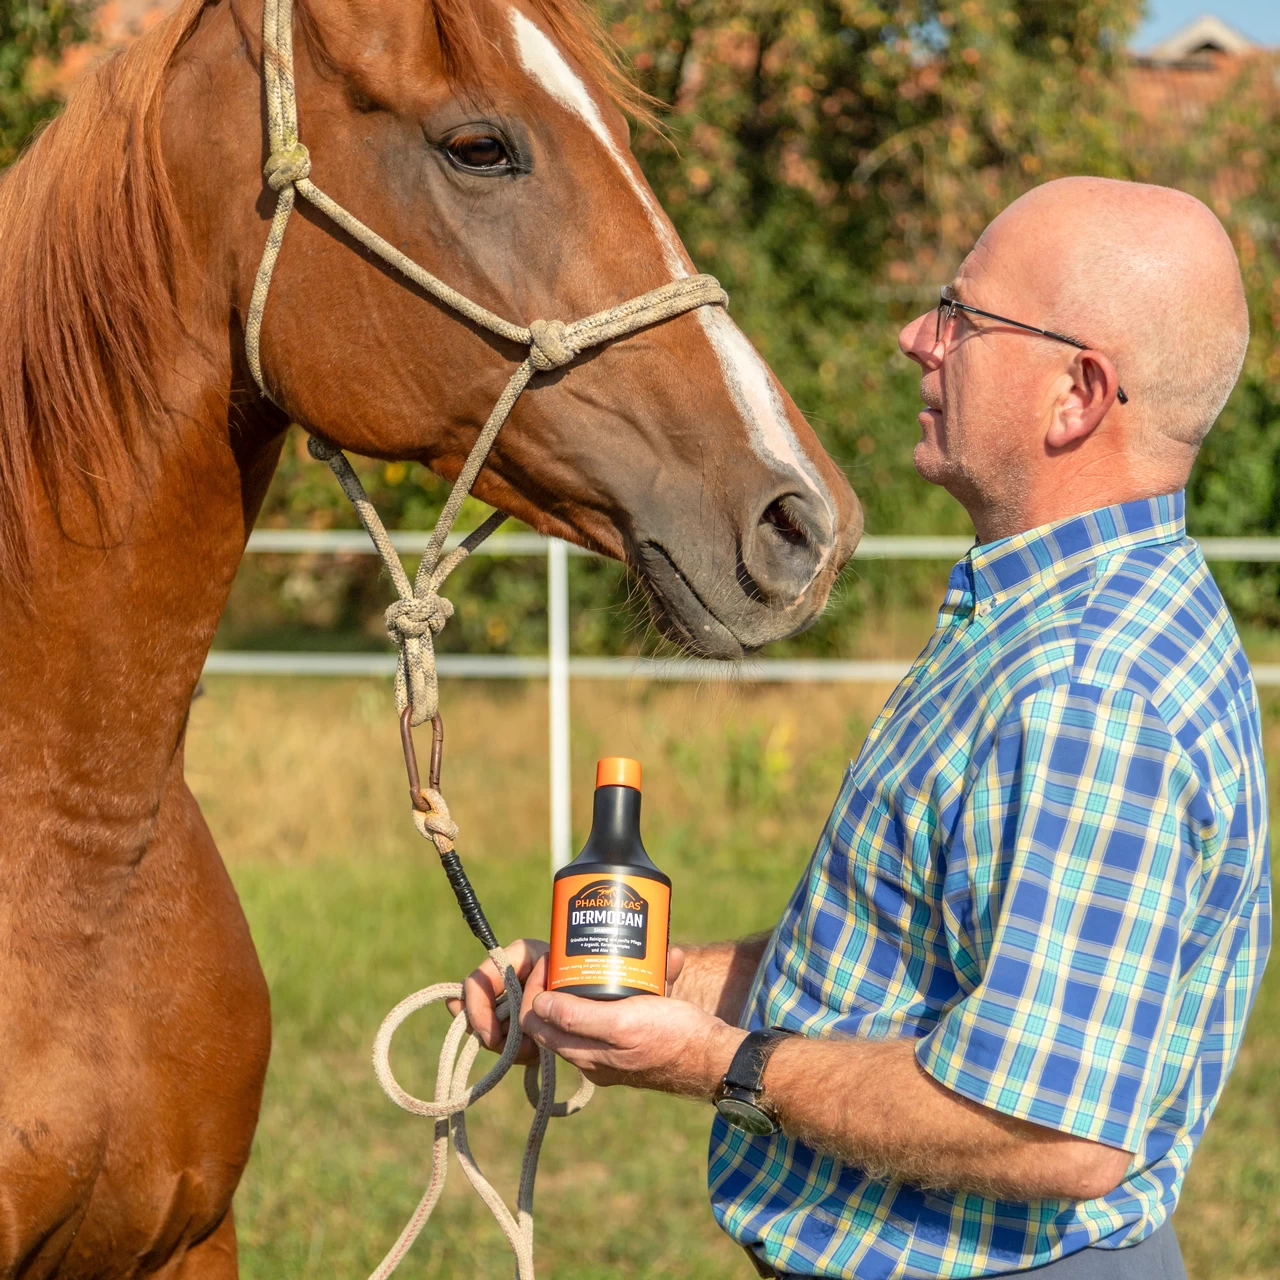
(1204, 34)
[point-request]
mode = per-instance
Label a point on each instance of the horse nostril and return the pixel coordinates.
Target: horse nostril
(783, 552)
(788, 527)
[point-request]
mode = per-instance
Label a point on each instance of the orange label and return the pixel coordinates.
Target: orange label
(609, 928)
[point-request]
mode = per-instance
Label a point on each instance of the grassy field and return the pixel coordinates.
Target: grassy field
(303, 786)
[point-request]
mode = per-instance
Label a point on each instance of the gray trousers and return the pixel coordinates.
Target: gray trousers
(1156, 1258)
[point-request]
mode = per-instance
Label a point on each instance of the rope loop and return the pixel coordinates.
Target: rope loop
(287, 166)
(550, 346)
(416, 617)
(454, 1095)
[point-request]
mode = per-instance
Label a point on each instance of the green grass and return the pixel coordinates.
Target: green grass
(301, 782)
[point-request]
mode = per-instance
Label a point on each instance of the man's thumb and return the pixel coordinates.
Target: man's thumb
(675, 965)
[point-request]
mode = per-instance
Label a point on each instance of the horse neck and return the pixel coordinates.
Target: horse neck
(99, 664)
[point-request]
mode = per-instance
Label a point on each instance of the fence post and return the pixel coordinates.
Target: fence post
(558, 646)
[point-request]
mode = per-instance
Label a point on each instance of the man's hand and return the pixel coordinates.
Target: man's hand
(483, 987)
(647, 1042)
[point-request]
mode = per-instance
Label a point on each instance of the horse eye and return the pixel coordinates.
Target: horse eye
(480, 151)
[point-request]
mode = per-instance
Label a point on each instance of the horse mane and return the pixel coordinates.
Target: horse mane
(86, 287)
(91, 242)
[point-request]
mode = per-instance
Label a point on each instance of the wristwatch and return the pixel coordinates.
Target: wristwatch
(738, 1099)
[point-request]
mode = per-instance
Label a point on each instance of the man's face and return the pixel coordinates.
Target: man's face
(987, 387)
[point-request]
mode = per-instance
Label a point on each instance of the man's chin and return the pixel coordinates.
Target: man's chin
(930, 463)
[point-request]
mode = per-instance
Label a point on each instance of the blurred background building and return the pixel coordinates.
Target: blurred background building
(1182, 75)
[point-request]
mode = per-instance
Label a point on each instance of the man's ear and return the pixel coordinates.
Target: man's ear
(1088, 399)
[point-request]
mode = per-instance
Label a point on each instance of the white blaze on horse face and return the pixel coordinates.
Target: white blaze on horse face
(544, 62)
(755, 394)
(750, 384)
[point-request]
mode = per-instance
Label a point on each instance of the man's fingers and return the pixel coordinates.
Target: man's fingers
(480, 997)
(607, 1021)
(484, 987)
(567, 1045)
(535, 984)
(524, 953)
(489, 1016)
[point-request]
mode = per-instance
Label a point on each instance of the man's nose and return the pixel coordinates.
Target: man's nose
(917, 342)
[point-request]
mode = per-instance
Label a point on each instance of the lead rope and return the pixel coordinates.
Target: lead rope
(412, 620)
(415, 618)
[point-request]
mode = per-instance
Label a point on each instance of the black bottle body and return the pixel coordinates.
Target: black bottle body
(610, 916)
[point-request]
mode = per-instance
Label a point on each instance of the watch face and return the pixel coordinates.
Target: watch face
(743, 1115)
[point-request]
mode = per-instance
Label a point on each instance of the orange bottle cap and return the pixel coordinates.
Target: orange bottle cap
(618, 771)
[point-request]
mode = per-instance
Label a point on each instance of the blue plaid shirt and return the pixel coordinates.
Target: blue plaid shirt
(1049, 867)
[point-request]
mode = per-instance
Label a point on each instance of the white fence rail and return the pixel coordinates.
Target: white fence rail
(485, 666)
(559, 667)
(356, 541)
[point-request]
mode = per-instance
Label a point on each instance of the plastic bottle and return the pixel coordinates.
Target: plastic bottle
(611, 907)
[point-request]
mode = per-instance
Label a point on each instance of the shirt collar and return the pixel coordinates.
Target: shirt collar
(1005, 568)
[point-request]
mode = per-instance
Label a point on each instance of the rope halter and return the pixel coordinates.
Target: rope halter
(417, 617)
(549, 346)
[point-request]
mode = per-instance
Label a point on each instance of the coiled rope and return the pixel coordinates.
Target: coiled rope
(417, 616)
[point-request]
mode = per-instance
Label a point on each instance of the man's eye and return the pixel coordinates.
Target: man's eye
(479, 151)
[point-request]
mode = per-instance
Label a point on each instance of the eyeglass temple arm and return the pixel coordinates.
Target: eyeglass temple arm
(954, 305)
(1017, 324)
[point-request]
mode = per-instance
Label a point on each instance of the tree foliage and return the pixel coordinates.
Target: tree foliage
(1232, 161)
(32, 37)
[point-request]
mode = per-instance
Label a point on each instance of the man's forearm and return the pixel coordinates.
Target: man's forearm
(869, 1103)
(718, 976)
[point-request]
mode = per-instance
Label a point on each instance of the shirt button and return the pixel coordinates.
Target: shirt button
(983, 609)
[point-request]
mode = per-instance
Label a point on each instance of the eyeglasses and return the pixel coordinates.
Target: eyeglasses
(949, 304)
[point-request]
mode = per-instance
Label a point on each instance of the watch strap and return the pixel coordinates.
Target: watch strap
(746, 1071)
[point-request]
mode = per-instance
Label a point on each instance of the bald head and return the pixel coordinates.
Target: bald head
(1147, 275)
(1025, 428)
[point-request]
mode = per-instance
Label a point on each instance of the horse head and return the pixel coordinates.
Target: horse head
(485, 142)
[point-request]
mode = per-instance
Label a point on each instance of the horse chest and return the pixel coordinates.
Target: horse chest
(136, 1041)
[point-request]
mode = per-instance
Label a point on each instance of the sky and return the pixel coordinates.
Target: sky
(1258, 19)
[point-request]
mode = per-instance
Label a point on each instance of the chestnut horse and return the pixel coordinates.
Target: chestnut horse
(483, 138)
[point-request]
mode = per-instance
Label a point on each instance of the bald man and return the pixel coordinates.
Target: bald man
(1009, 987)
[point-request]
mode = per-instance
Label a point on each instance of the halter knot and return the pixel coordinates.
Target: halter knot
(287, 166)
(549, 345)
(416, 617)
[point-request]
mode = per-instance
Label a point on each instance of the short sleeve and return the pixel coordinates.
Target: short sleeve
(1075, 832)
